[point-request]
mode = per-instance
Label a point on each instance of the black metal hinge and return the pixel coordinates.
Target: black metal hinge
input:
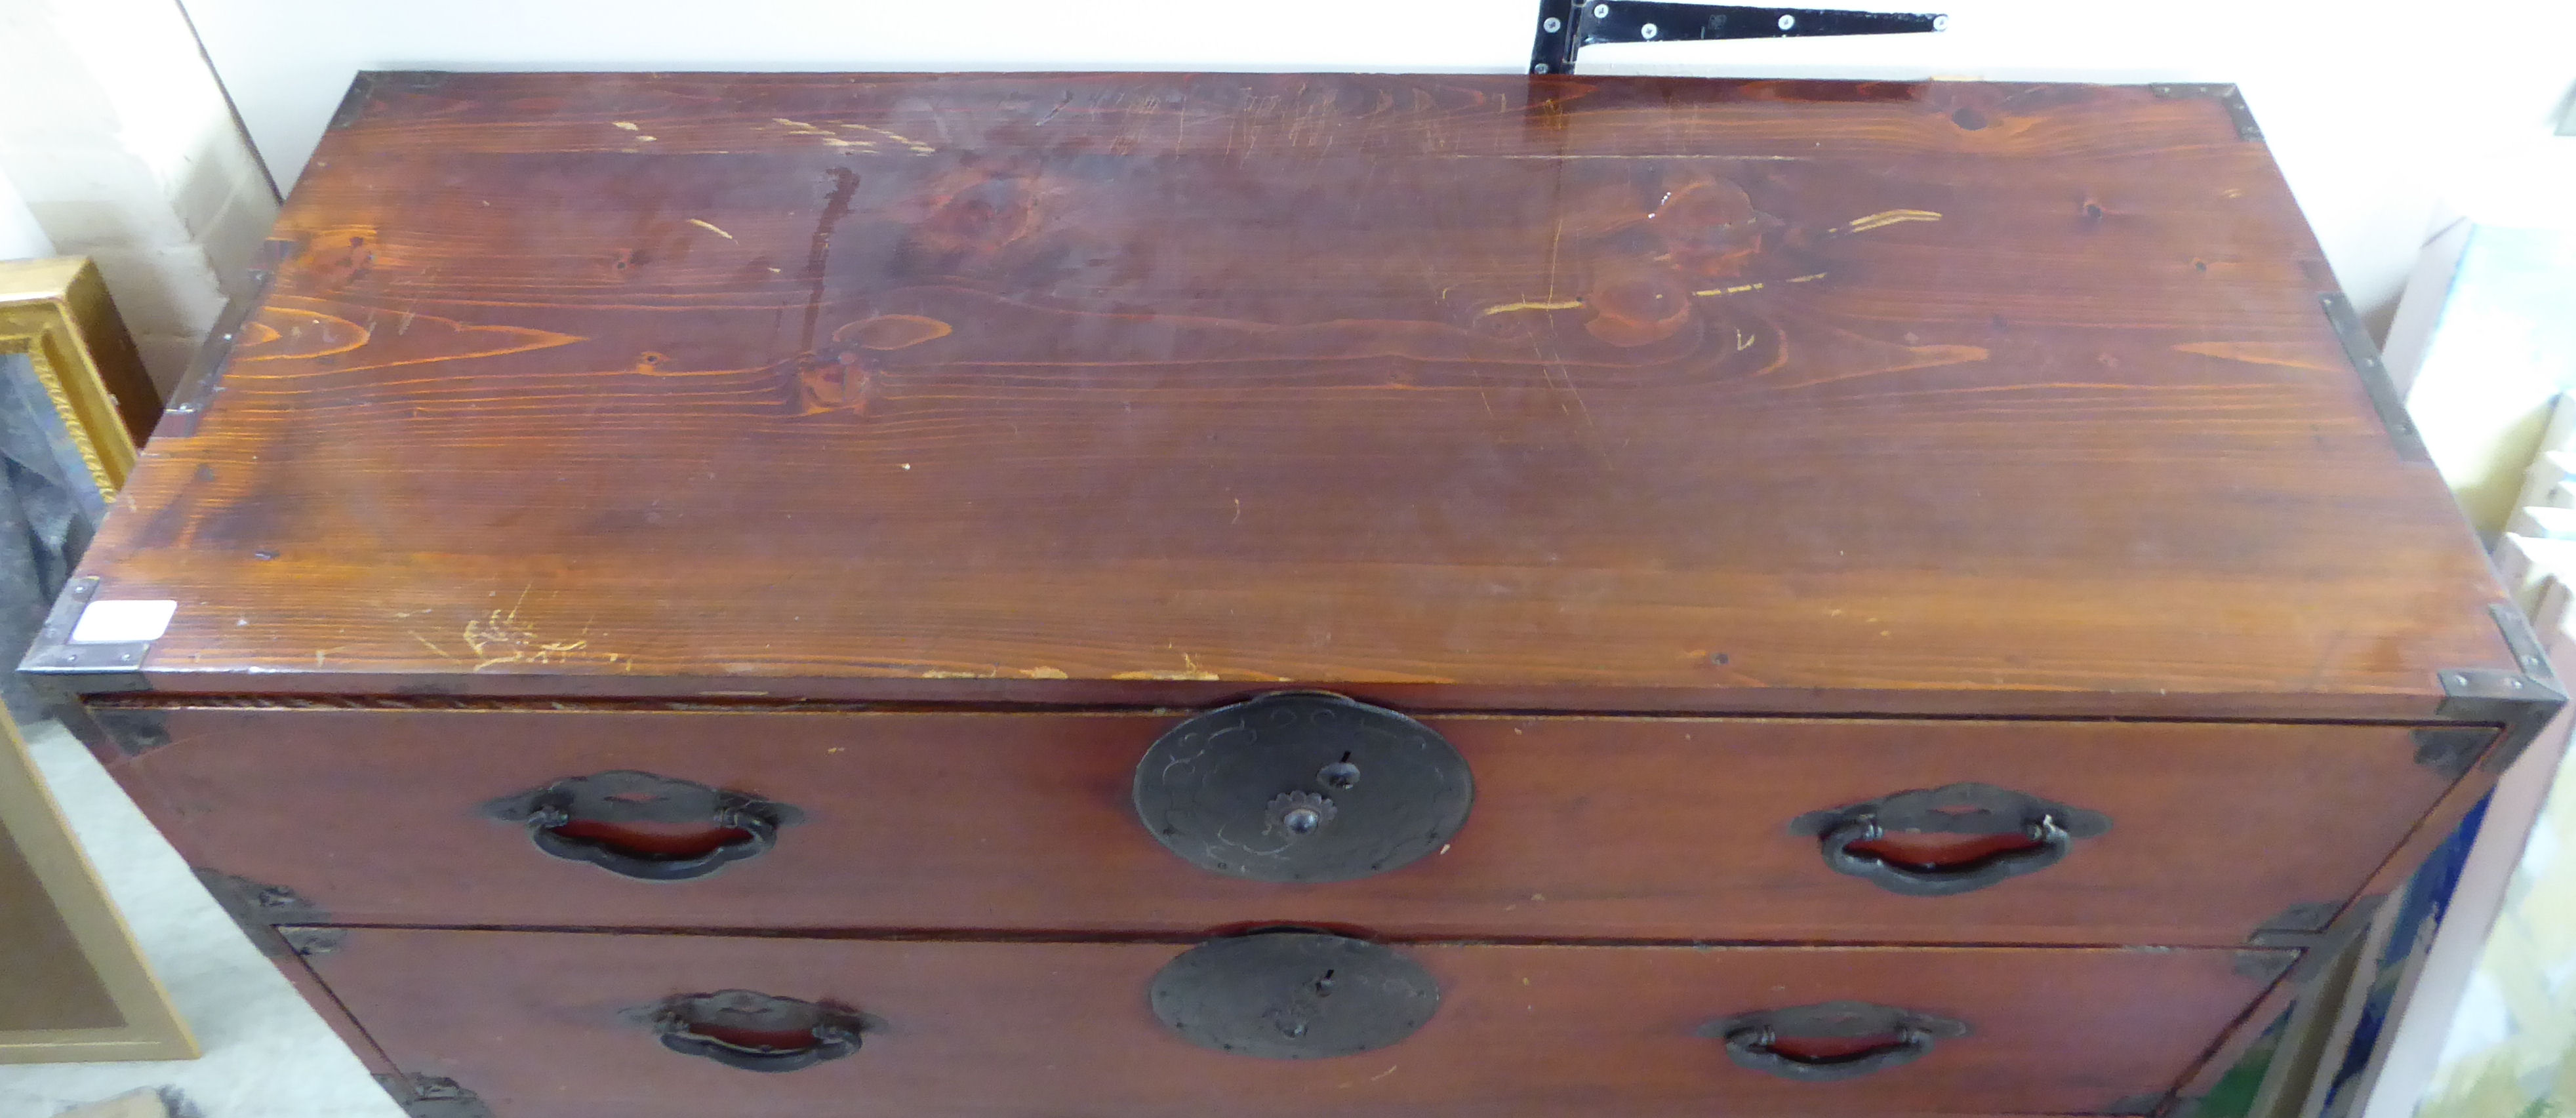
(1566, 26)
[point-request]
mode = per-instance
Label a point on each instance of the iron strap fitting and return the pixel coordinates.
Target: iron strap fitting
(1565, 27)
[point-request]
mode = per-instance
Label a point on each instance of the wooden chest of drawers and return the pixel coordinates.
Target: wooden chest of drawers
(1188, 594)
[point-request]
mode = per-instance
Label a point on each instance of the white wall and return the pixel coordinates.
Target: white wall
(2370, 105)
(21, 238)
(113, 130)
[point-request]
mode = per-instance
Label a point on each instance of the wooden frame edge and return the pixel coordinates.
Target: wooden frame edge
(153, 1029)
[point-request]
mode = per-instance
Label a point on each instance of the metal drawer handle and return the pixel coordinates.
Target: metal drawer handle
(1752, 1039)
(1751, 1048)
(757, 1032)
(1958, 809)
(595, 819)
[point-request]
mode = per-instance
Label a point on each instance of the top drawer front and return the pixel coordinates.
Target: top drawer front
(1643, 828)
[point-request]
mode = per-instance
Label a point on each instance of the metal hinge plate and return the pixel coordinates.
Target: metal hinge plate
(1565, 27)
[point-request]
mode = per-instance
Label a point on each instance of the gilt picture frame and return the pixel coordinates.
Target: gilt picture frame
(75, 404)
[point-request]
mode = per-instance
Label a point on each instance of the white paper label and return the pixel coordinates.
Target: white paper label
(120, 622)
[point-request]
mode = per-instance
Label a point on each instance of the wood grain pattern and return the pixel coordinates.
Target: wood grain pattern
(538, 1024)
(1151, 388)
(1670, 829)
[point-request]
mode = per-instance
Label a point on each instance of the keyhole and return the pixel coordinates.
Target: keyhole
(1340, 775)
(1324, 985)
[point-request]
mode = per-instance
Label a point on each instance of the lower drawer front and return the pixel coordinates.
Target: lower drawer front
(558, 1025)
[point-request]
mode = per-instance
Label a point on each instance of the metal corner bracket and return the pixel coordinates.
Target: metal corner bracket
(432, 1096)
(1565, 27)
(2364, 355)
(2226, 94)
(2522, 702)
(2318, 948)
(2451, 750)
(2135, 1106)
(205, 374)
(362, 89)
(275, 917)
(82, 669)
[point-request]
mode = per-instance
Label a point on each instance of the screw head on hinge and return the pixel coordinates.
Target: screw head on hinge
(1787, 22)
(1648, 31)
(1553, 25)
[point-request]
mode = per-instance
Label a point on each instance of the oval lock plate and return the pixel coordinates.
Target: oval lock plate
(1293, 995)
(1302, 787)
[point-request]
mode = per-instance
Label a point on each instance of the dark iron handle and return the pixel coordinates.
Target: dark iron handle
(627, 798)
(760, 832)
(1751, 1048)
(2052, 843)
(831, 1042)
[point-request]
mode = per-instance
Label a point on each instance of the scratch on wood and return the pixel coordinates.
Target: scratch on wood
(500, 638)
(916, 146)
(1887, 217)
(1190, 670)
(443, 654)
(1535, 305)
(710, 227)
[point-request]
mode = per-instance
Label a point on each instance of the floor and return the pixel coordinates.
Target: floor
(266, 1054)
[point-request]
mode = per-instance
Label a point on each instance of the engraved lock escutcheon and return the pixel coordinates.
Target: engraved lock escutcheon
(1293, 994)
(1302, 787)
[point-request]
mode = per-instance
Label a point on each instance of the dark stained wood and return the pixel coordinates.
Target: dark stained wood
(1672, 829)
(2438, 825)
(913, 449)
(299, 973)
(540, 1025)
(1152, 388)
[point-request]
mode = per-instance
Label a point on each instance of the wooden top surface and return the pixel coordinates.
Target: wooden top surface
(1549, 393)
